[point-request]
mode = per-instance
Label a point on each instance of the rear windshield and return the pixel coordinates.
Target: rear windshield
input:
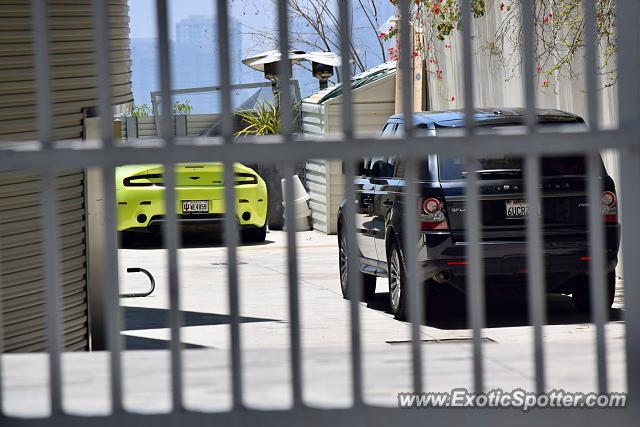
(452, 168)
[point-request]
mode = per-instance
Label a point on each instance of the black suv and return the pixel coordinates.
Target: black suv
(441, 187)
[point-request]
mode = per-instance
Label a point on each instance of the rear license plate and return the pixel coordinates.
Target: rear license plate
(516, 209)
(195, 206)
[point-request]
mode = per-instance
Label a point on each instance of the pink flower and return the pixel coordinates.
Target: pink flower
(453, 99)
(502, 6)
(539, 68)
(545, 83)
(448, 46)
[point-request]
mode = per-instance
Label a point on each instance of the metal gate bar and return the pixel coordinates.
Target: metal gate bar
(355, 291)
(112, 309)
(628, 19)
(49, 157)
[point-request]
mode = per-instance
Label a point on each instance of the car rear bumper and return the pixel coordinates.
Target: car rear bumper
(563, 258)
(140, 208)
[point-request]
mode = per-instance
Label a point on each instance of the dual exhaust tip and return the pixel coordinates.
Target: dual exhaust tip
(443, 277)
(142, 218)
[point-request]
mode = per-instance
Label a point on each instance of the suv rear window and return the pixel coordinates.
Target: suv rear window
(452, 168)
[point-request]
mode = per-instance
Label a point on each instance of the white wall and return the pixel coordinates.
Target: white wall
(497, 84)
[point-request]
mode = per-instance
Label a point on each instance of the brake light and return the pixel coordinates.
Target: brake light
(432, 215)
(609, 207)
(431, 206)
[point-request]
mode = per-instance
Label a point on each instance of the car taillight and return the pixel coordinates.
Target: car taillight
(432, 216)
(609, 207)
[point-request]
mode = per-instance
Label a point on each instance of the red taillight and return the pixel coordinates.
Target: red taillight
(431, 206)
(609, 207)
(432, 216)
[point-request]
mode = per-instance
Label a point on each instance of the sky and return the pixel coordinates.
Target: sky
(143, 14)
(257, 14)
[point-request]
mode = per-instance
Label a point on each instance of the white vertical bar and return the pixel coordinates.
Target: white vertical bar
(406, 44)
(345, 68)
(170, 229)
(39, 24)
(355, 286)
(112, 290)
(475, 276)
(171, 237)
(230, 223)
(630, 201)
(286, 116)
(591, 62)
(103, 70)
(355, 281)
(415, 294)
(1, 339)
(164, 125)
(467, 58)
(39, 12)
(111, 296)
(52, 287)
(294, 301)
(410, 226)
(535, 266)
(536, 269)
(527, 63)
(284, 69)
(628, 62)
(598, 282)
(473, 224)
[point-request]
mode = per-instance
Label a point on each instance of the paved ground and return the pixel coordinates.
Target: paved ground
(325, 333)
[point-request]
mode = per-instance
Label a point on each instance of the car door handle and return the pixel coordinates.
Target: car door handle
(388, 203)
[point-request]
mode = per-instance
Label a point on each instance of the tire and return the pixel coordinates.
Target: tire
(368, 280)
(133, 239)
(254, 235)
(397, 283)
(581, 293)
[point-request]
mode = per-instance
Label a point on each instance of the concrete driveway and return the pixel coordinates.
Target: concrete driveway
(326, 333)
(508, 357)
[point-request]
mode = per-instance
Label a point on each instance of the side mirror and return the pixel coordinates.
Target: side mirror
(360, 169)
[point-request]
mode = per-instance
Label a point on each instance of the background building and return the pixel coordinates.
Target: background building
(194, 61)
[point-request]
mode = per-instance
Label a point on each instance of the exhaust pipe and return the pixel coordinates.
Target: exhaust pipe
(443, 277)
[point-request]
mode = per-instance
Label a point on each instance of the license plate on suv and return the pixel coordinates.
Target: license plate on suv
(516, 209)
(195, 206)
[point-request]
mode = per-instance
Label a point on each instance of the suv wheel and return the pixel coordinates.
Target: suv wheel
(368, 280)
(397, 283)
(581, 292)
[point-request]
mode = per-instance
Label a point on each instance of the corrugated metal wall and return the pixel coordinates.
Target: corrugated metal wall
(74, 88)
(373, 104)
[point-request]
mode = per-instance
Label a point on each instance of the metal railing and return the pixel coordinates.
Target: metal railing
(48, 156)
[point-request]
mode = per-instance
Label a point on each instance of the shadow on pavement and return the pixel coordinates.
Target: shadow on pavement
(143, 343)
(136, 318)
(450, 311)
(189, 240)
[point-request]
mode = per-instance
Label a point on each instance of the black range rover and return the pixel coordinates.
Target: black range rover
(441, 188)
